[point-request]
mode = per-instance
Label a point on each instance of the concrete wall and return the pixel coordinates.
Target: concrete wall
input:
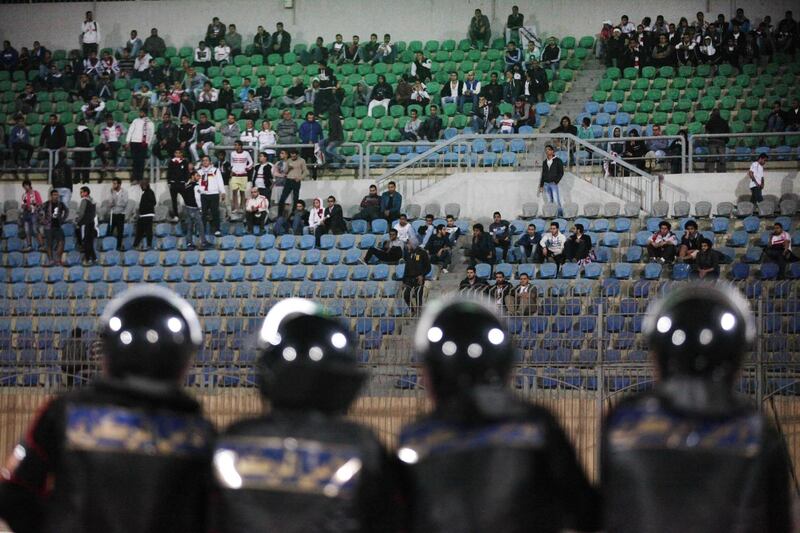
(730, 186)
(183, 22)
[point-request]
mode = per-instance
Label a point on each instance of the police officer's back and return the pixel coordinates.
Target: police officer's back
(691, 456)
(128, 453)
(483, 460)
(302, 468)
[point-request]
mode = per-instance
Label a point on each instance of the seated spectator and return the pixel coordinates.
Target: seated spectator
(310, 95)
(482, 249)
(222, 54)
(226, 97)
(686, 51)
(390, 251)
(706, 263)
(109, 65)
(663, 53)
(451, 92)
(294, 222)
(411, 129)
(368, 50)
(525, 297)
(391, 202)
(524, 114)
(657, 148)
(26, 101)
(513, 56)
(453, 232)
(484, 116)
(707, 53)
(281, 40)
(471, 90)
(635, 150)
(332, 221)
(208, 97)
(506, 123)
(662, 244)
(472, 283)
(426, 231)
(551, 55)
(256, 211)
(351, 53)
(140, 65)
(501, 231)
(93, 110)
(251, 108)
(528, 246)
(405, 231)
(502, 294)
(439, 248)
(565, 126)
(552, 245)
(512, 88)
(776, 120)
(419, 94)
(295, 95)
(402, 95)
(585, 131)
(234, 40)
(261, 42)
(492, 91)
(421, 68)
(432, 127)
(202, 55)
(779, 248)
(480, 32)
(690, 242)
(111, 137)
(381, 95)
(385, 52)
(337, 47)
(370, 206)
(578, 247)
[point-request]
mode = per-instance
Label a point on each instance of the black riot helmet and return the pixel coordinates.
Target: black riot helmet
(700, 331)
(151, 332)
(463, 344)
(306, 360)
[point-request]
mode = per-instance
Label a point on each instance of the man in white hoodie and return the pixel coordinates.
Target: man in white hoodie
(267, 140)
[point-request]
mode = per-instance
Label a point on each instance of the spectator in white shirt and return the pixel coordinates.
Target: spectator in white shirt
(241, 165)
(249, 136)
(420, 94)
(90, 35)
(552, 244)
(212, 191)
(315, 215)
(208, 97)
(663, 244)
(222, 54)
(256, 211)
(779, 249)
(471, 90)
(404, 230)
(385, 51)
(756, 175)
(140, 135)
(202, 55)
(267, 139)
(141, 63)
(110, 140)
(411, 129)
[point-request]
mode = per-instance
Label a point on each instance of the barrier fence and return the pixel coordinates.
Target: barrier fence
(579, 350)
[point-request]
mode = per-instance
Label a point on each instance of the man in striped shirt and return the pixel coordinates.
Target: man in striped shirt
(212, 190)
(241, 165)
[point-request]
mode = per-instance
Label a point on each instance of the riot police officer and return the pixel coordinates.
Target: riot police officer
(129, 453)
(483, 460)
(691, 456)
(302, 467)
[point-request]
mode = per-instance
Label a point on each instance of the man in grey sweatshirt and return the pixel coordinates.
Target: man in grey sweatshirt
(119, 202)
(230, 131)
(286, 131)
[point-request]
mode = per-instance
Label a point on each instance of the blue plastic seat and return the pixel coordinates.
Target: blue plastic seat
(332, 257)
(548, 271)
(306, 242)
(592, 271)
(298, 273)
(339, 273)
(346, 241)
(379, 226)
(738, 239)
(236, 274)
(173, 274)
(360, 273)
(751, 224)
(740, 271)
(193, 274)
(134, 274)
(311, 257)
(483, 270)
(286, 242)
(634, 254)
(367, 241)
(209, 258)
(570, 270)
(247, 242)
(319, 273)
(266, 241)
(769, 271)
(278, 273)
(190, 258)
(271, 257)
(256, 273)
(380, 272)
(251, 257)
(623, 271)
(352, 256)
(292, 257)
(652, 271)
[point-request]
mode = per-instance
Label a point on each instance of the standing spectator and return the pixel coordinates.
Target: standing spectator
(411, 129)
(793, 116)
(777, 119)
(9, 57)
(230, 131)
(187, 133)
(787, 34)
(662, 244)
(552, 173)
(110, 141)
(206, 132)
(370, 206)
(296, 172)
(690, 242)
(147, 212)
(87, 229)
(332, 221)
(192, 214)
(90, 35)
(779, 248)
(418, 265)
(482, 249)
(138, 139)
(53, 216)
(281, 41)
(30, 206)
(133, 45)
(241, 166)
(706, 264)
(167, 135)
(551, 55)
(501, 231)
(525, 297)
(155, 45)
(249, 136)
(262, 176)
(256, 211)
(635, 150)
(552, 245)
(310, 133)
(391, 250)
(234, 40)
(514, 22)
(452, 92)
(226, 97)
(287, 129)
(19, 140)
(439, 248)
(212, 189)
(472, 283)
(267, 139)
(118, 208)
(335, 138)
(471, 90)
(578, 247)
(83, 159)
(601, 43)
(480, 32)
(512, 88)
(502, 294)
(62, 179)
(177, 176)
(432, 127)
(391, 202)
(215, 32)
(756, 175)
(53, 136)
(528, 246)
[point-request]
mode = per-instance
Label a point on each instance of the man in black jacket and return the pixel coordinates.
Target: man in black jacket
(538, 82)
(332, 221)
(552, 172)
(281, 40)
(83, 160)
(147, 212)
(417, 266)
(370, 205)
(432, 127)
(53, 136)
(177, 176)
(95, 459)
(166, 138)
(480, 432)
(482, 250)
(472, 283)
(716, 145)
(85, 219)
(439, 248)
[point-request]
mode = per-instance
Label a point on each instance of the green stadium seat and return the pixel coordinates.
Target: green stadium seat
(679, 83)
(702, 116)
(631, 73)
(685, 71)
(649, 72)
(186, 52)
(640, 119)
(464, 45)
(431, 47)
(691, 93)
(629, 106)
(646, 107)
(714, 92)
(749, 69)
(758, 91)
(350, 124)
(558, 86)
(586, 42)
(494, 54)
(641, 83)
(665, 106)
(358, 136)
(617, 96)
(551, 97)
(704, 70)
(654, 95)
(698, 82)
(377, 135)
(659, 118)
(695, 128)
(623, 85)
(580, 54)
(736, 91)
(637, 95)
(660, 84)
(612, 73)
(499, 44)
(678, 118)
(671, 129)
(415, 46)
(386, 122)
(568, 42)
(599, 96)
(744, 115)
(728, 102)
(737, 126)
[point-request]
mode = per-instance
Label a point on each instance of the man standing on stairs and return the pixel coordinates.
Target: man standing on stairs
(417, 266)
(552, 172)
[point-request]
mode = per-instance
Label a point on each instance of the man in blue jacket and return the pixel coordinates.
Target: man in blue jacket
(310, 133)
(391, 202)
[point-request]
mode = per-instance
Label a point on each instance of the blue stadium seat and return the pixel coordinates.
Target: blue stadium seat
(251, 257)
(769, 271)
(358, 226)
(292, 257)
(155, 274)
(327, 289)
(339, 273)
(285, 289)
(367, 241)
(190, 258)
(134, 274)
(346, 241)
(130, 258)
(327, 242)
(230, 258)
(286, 242)
(168, 243)
(174, 274)
(306, 242)
(570, 270)
(236, 274)
(623, 271)
(298, 273)
(548, 271)
(228, 242)
(332, 257)
(148, 259)
(266, 242)
(352, 256)
(170, 258)
(592, 271)
(751, 224)
(247, 242)
(319, 273)
(271, 257)
(278, 272)
(311, 257)
(380, 272)
(603, 254)
(740, 271)
(379, 226)
(680, 271)
(193, 274)
(360, 273)
(209, 258)
(634, 254)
